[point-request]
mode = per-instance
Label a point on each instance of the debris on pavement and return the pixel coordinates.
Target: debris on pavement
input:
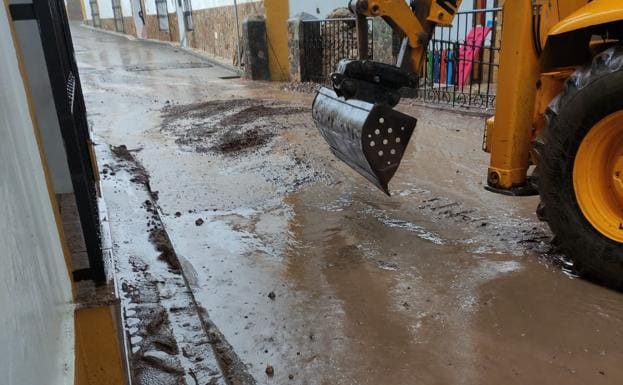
(302, 87)
(224, 125)
(155, 343)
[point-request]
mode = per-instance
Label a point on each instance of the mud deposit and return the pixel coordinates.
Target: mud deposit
(302, 87)
(226, 126)
(155, 357)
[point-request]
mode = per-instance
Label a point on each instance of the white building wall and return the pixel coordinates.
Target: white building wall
(207, 4)
(36, 337)
(126, 8)
(105, 9)
(150, 7)
(87, 9)
(317, 8)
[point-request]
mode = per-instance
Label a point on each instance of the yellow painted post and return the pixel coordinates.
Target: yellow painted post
(277, 12)
(510, 138)
(83, 8)
(99, 358)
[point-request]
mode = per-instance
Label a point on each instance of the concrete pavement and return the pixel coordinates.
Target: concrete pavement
(291, 261)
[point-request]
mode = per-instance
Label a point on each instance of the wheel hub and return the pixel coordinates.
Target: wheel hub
(617, 178)
(598, 176)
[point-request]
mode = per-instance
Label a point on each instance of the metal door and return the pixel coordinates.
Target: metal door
(70, 110)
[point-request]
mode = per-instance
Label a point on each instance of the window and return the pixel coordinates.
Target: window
(188, 15)
(118, 15)
(95, 13)
(163, 15)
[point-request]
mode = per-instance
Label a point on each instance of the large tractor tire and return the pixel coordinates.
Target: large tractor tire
(581, 177)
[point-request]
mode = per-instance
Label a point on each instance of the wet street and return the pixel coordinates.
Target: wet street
(247, 254)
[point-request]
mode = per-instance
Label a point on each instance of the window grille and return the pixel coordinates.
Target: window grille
(118, 15)
(188, 15)
(163, 15)
(95, 13)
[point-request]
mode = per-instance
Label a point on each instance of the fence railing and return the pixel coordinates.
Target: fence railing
(328, 41)
(462, 61)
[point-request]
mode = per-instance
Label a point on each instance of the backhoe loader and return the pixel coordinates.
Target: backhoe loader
(558, 125)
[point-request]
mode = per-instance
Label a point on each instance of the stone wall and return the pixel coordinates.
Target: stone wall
(256, 66)
(108, 24)
(152, 28)
(215, 29)
(383, 41)
(174, 28)
(129, 26)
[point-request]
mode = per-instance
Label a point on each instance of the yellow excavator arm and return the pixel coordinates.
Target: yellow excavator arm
(416, 22)
(356, 116)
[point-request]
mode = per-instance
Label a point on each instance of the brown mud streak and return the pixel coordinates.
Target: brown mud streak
(156, 336)
(159, 237)
(233, 368)
(302, 87)
(140, 175)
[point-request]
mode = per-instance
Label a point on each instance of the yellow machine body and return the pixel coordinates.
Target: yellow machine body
(509, 138)
(524, 91)
(594, 13)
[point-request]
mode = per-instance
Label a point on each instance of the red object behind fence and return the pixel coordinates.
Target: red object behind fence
(470, 52)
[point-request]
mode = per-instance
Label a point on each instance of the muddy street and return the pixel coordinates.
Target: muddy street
(247, 254)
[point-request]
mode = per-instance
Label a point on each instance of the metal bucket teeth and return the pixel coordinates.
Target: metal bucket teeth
(370, 138)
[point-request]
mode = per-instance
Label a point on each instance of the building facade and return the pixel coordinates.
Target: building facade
(211, 26)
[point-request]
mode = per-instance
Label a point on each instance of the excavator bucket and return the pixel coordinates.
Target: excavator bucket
(370, 138)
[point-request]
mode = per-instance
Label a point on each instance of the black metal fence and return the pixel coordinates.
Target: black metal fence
(462, 60)
(328, 41)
